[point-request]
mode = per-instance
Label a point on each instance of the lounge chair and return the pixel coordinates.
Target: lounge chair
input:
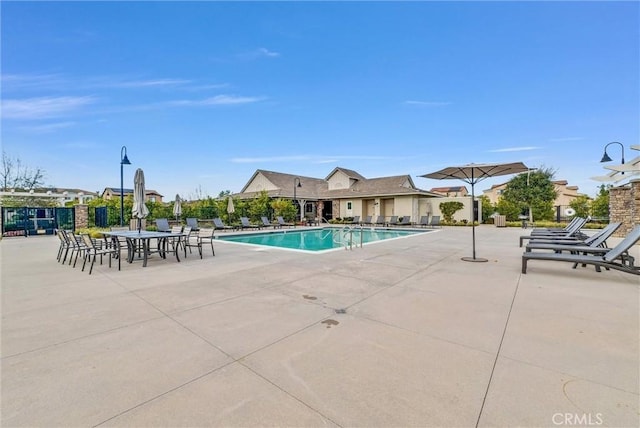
(162, 225)
(393, 221)
(380, 221)
(597, 240)
(571, 233)
(406, 221)
(366, 221)
(616, 258)
(219, 224)
(192, 223)
(356, 220)
(546, 230)
(424, 221)
(281, 222)
(435, 221)
(245, 224)
(267, 223)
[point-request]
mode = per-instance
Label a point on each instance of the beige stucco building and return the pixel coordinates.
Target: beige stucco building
(344, 193)
(565, 193)
(149, 195)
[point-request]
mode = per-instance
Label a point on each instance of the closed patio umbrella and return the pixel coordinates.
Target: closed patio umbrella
(471, 174)
(230, 208)
(177, 207)
(139, 210)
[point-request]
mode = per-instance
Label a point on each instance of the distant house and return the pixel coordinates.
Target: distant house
(566, 193)
(62, 195)
(452, 191)
(343, 193)
(114, 192)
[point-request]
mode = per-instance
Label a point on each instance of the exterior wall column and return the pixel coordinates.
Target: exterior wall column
(624, 206)
(82, 216)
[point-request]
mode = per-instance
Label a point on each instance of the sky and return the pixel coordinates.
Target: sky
(202, 94)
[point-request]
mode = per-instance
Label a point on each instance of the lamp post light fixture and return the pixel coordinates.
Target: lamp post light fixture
(606, 158)
(124, 160)
(295, 186)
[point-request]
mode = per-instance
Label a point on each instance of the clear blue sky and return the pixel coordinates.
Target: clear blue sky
(203, 94)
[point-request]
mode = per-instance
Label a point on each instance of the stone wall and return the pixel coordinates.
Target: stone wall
(82, 216)
(624, 206)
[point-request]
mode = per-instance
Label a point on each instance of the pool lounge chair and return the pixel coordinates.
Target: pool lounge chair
(267, 223)
(281, 222)
(547, 230)
(219, 224)
(617, 258)
(366, 221)
(424, 221)
(162, 225)
(356, 220)
(380, 221)
(393, 221)
(570, 233)
(434, 222)
(245, 224)
(597, 240)
(193, 223)
(406, 221)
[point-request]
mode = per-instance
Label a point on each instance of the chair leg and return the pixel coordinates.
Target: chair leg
(213, 252)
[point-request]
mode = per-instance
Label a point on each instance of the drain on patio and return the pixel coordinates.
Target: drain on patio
(330, 323)
(340, 311)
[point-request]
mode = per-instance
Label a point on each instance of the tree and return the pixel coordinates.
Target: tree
(260, 206)
(600, 205)
(487, 208)
(15, 175)
(448, 209)
(284, 208)
(581, 205)
(533, 192)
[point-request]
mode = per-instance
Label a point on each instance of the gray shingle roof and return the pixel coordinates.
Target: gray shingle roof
(316, 188)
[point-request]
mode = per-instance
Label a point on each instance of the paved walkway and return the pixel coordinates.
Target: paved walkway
(400, 333)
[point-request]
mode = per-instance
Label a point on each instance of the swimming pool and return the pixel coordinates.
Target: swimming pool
(318, 239)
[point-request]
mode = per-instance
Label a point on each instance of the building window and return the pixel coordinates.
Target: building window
(152, 198)
(348, 205)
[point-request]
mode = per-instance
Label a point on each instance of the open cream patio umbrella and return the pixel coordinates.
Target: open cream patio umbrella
(139, 210)
(471, 174)
(177, 207)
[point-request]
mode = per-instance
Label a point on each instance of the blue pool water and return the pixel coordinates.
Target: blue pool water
(317, 239)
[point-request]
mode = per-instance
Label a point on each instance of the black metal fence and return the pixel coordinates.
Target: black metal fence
(25, 221)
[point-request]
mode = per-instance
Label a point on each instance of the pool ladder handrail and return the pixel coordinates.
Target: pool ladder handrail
(348, 231)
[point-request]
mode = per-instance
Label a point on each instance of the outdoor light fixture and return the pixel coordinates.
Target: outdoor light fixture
(606, 158)
(124, 160)
(294, 193)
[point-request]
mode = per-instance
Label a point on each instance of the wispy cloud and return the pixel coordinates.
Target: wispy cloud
(427, 103)
(80, 145)
(215, 101)
(150, 83)
(31, 81)
(515, 149)
(43, 107)
(310, 158)
(47, 128)
(258, 54)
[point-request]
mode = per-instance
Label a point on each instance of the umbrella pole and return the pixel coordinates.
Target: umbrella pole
(473, 226)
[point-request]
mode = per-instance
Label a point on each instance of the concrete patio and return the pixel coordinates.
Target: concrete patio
(257, 337)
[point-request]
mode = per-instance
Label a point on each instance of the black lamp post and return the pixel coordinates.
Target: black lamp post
(294, 193)
(606, 158)
(124, 160)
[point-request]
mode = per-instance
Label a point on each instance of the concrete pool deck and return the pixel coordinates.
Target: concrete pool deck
(400, 333)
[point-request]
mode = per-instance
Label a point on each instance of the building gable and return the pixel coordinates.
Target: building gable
(258, 183)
